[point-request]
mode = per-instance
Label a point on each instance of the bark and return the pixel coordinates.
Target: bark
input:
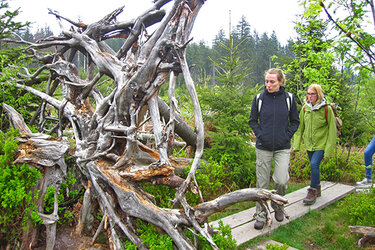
(367, 232)
(106, 125)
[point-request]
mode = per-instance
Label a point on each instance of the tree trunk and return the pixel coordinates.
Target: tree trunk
(106, 125)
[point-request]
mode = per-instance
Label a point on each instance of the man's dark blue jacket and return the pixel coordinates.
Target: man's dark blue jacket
(274, 125)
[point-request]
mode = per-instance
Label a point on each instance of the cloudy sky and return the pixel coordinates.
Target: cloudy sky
(262, 15)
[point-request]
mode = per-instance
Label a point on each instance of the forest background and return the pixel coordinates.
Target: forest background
(335, 52)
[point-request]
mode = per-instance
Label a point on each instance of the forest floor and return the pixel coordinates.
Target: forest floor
(67, 239)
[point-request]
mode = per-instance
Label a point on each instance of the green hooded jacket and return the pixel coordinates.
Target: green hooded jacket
(315, 131)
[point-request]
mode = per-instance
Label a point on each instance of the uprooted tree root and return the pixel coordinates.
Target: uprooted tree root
(106, 125)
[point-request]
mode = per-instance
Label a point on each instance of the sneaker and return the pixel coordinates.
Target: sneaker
(258, 225)
(279, 215)
(365, 181)
(311, 196)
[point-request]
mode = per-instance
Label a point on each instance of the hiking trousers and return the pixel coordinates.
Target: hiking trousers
(280, 174)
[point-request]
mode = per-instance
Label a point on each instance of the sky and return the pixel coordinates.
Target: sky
(264, 16)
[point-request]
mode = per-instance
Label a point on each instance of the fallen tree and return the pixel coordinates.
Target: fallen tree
(106, 125)
(367, 232)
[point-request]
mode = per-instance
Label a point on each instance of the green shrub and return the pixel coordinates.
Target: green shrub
(276, 247)
(152, 238)
(340, 168)
(226, 112)
(336, 168)
(359, 208)
(163, 194)
(156, 240)
(21, 100)
(217, 178)
(213, 179)
(16, 195)
(242, 168)
(223, 239)
(299, 167)
(67, 194)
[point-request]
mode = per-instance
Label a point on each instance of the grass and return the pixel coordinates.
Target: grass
(319, 229)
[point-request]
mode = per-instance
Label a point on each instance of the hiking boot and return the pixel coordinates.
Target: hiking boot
(365, 181)
(319, 191)
(279, 215)
(258, 225)
(311, 196)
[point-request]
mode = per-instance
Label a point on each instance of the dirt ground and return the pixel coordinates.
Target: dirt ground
(66, 239)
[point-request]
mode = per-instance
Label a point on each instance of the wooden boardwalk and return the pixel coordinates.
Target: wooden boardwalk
(242, 223)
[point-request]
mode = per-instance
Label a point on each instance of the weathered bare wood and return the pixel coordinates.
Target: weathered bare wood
(105, 125)
(50, 222)
(203, 210)
(180, 126)
(17, 120)
(151, 137)
(368, 231)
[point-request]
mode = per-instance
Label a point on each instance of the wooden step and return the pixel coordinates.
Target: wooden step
(242, 223)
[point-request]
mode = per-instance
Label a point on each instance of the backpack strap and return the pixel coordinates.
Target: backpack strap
(259, 102)
(289, 100)
(326, 112)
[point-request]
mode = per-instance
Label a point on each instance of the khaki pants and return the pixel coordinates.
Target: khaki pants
(280, 174)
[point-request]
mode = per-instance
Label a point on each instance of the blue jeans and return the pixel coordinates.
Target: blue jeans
(369, 152)
(315, 158)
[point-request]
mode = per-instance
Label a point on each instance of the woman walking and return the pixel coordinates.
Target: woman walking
(274, 120)
(318, 131)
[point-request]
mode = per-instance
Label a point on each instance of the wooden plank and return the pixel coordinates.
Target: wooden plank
(237, 219)
(367, 186)
(300, 194)
(242, 223)
(263, 245)
(246, 216)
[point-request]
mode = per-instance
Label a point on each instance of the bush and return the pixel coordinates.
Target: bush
(277, 247)
(16, 195)
(299, 166)
(156, 240)
(66, 196)
(223, 239)
(213, 179)
(226, 112)
(21, 100)
(336, 168)
(359, 208)
(163, 194)
(216, 178)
